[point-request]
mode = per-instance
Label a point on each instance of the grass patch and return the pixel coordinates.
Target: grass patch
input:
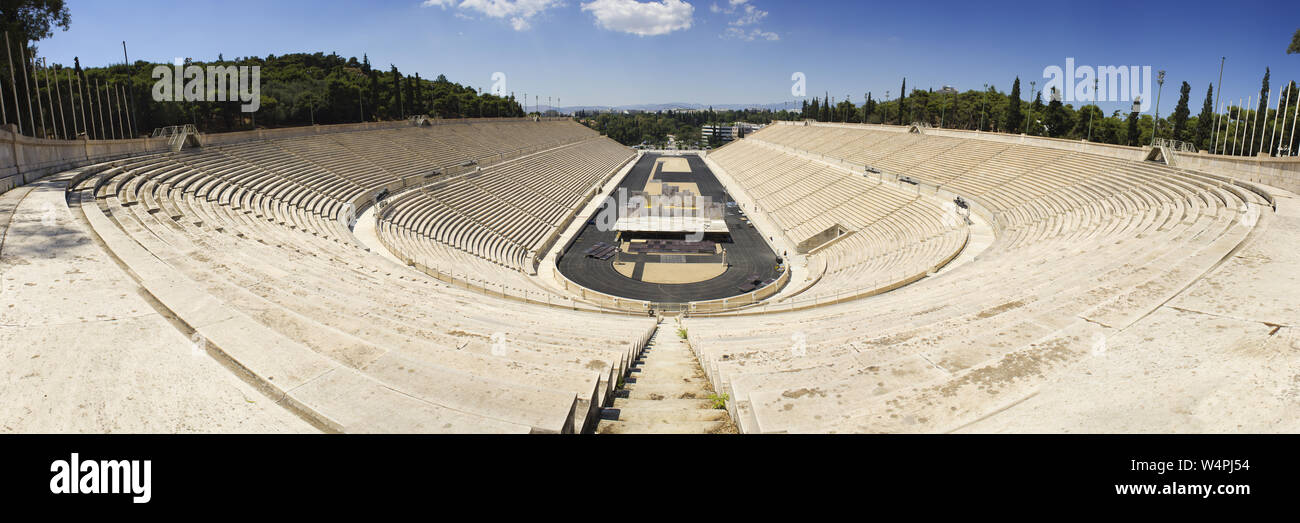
(719, 401)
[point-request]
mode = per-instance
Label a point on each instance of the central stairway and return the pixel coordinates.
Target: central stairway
(666, 393)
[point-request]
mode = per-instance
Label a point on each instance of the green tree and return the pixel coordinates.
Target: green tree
(902, 104)
(1035, 126)
(1014, 117)
(1295, 43)
(28, 21)
(1181, 112)
(1204, 121)
(1131, 137)
(1056, 121)
(396, 109)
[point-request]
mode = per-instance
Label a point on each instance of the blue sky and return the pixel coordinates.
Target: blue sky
(615, 52)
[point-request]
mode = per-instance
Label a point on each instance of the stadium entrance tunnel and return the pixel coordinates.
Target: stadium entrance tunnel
(665, 259)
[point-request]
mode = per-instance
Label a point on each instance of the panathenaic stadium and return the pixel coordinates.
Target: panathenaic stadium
(458, 276)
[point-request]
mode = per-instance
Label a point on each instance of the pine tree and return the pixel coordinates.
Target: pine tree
(1013, 109)
(1181, 112)
(1205, 121)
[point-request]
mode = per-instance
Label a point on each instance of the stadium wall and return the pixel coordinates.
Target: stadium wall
(24, 159)
(1283, 173)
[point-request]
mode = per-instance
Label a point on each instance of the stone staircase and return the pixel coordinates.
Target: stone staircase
(667, 393)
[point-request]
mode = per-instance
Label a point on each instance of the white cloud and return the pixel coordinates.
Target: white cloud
(753, 34)
(518, 12)
(642, 18)
(747, 16)
(750, 16)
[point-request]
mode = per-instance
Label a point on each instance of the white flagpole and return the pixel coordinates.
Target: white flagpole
(1254, 124)
(1264, 124)
(1275, 136)
(1236, 142)
(1231, 148)
(1238, 148)
(1294, 116)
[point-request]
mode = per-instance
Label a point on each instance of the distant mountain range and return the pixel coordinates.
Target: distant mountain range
(668, 107)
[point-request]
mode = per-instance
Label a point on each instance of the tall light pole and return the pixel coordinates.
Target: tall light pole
(983, 105)
(884, 120)
(1033, 96)
(944, 111)
(1095, 84)
(1155, 127)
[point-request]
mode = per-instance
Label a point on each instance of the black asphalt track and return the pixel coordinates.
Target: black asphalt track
(747, 252)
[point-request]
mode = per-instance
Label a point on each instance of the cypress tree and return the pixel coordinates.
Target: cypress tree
(396, 109)
(1032, 127)
(902, 99)
(1013, 109)
(1181, 112)
(1205, 121)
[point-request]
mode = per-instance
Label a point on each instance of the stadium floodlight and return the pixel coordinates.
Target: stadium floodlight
(983, 106)
(1155, 124)
(1033, 95)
